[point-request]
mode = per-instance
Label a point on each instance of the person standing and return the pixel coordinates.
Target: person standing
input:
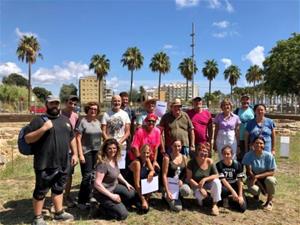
(226, 129)
(176, 125)
(202, 122)
(245, 113)
(149, 108)
(51, 141)
(88, 135)
(69, 111)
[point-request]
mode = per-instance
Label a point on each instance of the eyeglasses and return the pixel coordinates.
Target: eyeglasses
(93, 109)
(151, 121)
(203, 154)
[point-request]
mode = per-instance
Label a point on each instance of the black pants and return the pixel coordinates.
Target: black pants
(113, 209)
(87, 170)
(233, 204)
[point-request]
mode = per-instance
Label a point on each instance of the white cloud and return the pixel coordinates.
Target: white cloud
(70, 71)
(168, 46)
(214, 4)
(229, 8)
(220, 34)
(227, 62)
(21, 34)
(256, 56)
(222, 24)
(113, 83)
(8, 68)
(186, 3)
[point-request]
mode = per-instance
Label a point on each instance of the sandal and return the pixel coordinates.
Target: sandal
(268, 206)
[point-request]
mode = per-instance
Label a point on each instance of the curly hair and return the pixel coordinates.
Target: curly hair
(102, 154)
(89, 105)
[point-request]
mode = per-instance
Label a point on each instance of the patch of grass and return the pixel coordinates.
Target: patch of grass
(20, 168)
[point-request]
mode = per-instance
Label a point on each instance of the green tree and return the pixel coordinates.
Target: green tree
(41, 93)
(66, 90)
(101, 65)
(15, 79)
(186, 69)
(254, 75)
(160, 63)
(232, 73)
(28, 50)
(282, 67)
(210, 71)
(134, 60)
(142, 93)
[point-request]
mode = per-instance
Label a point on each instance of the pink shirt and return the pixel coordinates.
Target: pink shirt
(200, 120)
(142, 137)
(73, 117)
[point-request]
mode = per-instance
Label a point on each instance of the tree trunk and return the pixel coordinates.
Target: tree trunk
(100, 90)
(187, 90)
(231, 92)
(29, 85)
(130, 95)
(159, 80)
(209, 94)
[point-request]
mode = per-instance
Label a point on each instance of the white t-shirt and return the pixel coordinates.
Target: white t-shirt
(115, 123)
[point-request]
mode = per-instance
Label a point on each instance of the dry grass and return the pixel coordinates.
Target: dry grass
(16, 190)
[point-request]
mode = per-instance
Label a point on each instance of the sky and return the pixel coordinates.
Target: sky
(239, 32)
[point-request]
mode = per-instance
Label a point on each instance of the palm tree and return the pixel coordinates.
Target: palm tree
(101, 66)
(186, 69)
(232, 73)
(254, 74)
(133, 59)
(160, 62)
(210, 71)
(28, 50)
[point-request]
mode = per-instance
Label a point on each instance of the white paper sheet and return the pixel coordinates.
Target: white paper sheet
(149, 187)
(161, 108)
(122, 160)
(173, 187)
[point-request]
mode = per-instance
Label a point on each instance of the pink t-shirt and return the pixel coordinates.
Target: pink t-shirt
(73, 117)
(200, 120)
(142, 137)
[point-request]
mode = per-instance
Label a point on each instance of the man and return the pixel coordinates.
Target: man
(116, 123)
(245, 113)
(51, 141)
(69, 111)
(202, 122)
(149, 108)
(177, 125)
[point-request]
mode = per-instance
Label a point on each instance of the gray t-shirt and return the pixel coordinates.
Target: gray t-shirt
(91, 135)
(110, 179)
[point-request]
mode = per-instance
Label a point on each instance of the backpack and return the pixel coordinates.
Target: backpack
(24, 148)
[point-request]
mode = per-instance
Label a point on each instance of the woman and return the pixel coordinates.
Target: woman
(174, 166)
(111, 189)
(231, 176)
(142, 168)
(147, 134)
(202, 175)
(226, 129)
(88, 136)
(260, 169)
(261, 126)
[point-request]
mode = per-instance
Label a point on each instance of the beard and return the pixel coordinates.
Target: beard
(53, 111)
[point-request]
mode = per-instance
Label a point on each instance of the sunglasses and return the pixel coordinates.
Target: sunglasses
(151, 121)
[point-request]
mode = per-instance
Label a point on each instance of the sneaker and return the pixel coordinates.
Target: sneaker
(268, 206)
(38, 220)
(63, 216)
(215, 210)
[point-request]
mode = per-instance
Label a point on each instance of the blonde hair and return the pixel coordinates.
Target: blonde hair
(102, 154)
(226, 101)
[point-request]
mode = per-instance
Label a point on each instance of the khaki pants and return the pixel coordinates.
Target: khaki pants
(267, 183)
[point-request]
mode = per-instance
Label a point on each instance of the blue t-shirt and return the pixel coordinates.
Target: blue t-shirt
(259, 164)
(265, 130)
(245, 116)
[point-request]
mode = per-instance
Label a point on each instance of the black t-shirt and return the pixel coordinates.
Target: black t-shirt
(51, 150)
(230, 173)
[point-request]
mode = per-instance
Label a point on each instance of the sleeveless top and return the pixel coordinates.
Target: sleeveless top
(173, 168)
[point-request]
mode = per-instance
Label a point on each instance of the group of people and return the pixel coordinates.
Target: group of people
(177, 147)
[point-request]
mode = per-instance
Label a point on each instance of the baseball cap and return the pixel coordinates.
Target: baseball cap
(73, 98)
(197, 99)
(52, 98)
(151, 116)
(176, 102)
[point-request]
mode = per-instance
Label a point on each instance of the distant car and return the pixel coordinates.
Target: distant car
(36, 109)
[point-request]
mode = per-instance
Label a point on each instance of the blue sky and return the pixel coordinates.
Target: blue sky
(240, 32)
